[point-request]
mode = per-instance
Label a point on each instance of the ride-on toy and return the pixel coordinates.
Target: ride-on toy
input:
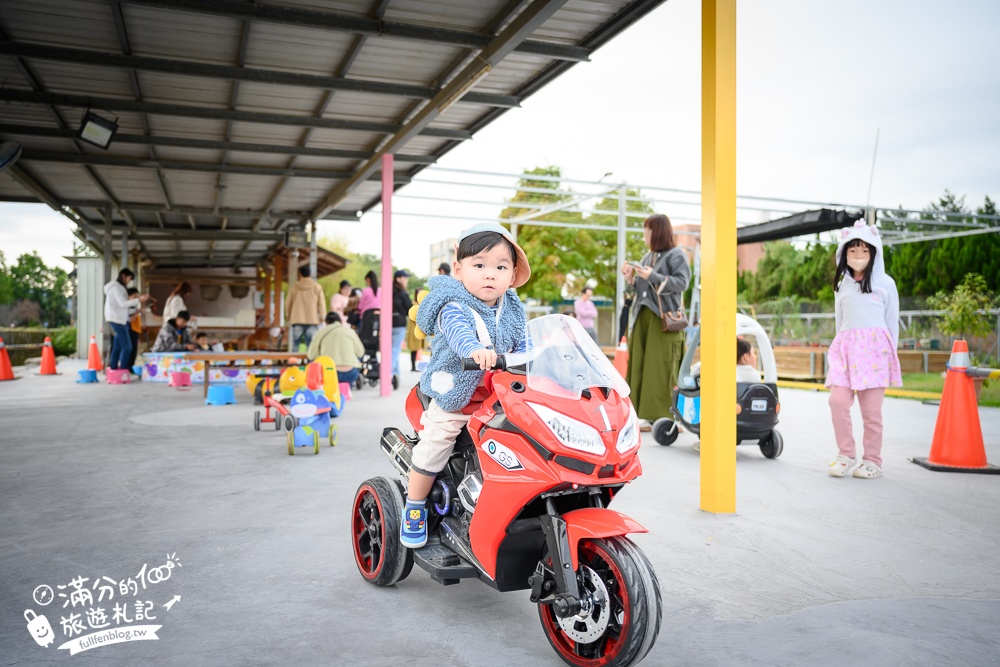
(523, 502)
(311, 412)
(758, 406)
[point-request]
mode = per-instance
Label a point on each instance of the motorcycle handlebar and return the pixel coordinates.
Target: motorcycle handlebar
(469, 364)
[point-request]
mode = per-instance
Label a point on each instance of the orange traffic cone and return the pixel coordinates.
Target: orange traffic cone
(621, 357)
(48, 358)
(6, 371)
(958, 436)
(94, 356)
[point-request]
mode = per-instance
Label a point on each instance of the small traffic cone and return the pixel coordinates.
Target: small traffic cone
(621, 357)
(94, 356)
(6, 371)
(48, 358)
(958, 437)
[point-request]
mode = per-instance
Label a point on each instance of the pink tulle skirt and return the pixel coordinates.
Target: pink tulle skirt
(863, 359)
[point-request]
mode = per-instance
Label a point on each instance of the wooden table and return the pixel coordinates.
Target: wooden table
(257, 357)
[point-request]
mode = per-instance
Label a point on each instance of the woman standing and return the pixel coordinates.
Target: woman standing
(654, 355)
(586, 312)
(400, 309)
(370, 295)
(175, 302)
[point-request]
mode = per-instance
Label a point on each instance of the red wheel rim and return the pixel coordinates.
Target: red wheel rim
(368, 532)
(610, 644)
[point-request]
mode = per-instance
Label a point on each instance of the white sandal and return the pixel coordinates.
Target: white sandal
(840, 466)
(867, 470)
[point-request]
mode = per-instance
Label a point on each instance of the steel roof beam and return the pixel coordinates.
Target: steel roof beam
(308, 18)
(183, 165)
(492, 55)
(39, 89)
(123, 42)
(183, 142)
(345, 66)
(231, 73)
(142, 207)
(158, 235)
(117, 104)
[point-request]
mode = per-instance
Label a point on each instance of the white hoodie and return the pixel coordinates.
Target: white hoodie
(854, 308)
(117, 303)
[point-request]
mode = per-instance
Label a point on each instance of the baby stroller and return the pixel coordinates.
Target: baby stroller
(368, 333)
(758, 401)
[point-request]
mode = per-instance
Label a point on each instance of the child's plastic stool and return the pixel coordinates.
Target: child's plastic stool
(86, 376)
(180, 379)
(345, 391)
(220, 395)
(119, 376)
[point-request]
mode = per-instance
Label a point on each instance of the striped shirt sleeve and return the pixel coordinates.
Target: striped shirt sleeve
(457, 330)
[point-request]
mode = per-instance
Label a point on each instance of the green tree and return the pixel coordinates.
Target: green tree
(6, 282)
(965, 308)
(926, 267)
(557, 254)
(605, 268)
(358, 264)
(33, 281)
(553, 252)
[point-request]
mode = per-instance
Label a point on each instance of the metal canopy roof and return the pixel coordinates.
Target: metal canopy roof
(238, 118)
(799, 224)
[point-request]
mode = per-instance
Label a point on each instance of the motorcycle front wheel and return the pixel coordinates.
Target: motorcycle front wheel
(621, 611)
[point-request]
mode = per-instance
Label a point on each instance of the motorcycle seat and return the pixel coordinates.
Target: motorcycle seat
(463, 439)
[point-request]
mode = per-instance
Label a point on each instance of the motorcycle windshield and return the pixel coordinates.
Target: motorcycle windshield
(562, 359)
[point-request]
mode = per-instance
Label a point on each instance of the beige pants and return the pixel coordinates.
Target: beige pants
(437, 439)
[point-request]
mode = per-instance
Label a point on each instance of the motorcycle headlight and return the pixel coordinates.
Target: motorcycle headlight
(570, 432)
(628, 437)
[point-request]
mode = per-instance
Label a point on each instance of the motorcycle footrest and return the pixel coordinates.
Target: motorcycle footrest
(444, 565)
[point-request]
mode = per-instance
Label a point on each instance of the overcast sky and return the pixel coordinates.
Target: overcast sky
(816, 78)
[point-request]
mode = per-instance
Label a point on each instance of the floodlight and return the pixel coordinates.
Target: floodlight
(97, 130)
(295, 237)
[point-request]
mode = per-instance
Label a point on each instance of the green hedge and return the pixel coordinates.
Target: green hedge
(63, 342)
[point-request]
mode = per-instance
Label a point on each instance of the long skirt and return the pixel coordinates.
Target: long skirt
(654, 360)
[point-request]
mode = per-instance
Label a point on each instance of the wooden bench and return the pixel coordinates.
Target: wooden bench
(226, 358)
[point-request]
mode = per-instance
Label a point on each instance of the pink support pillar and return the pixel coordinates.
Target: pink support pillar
(385, 320)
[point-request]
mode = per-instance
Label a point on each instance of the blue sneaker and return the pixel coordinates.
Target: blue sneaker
(413, 528)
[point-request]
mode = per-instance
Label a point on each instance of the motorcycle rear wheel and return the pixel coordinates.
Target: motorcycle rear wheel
(375, 519)
(626, 585)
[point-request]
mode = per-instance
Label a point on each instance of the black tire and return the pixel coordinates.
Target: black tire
(375, 519)
(289, 422)
(772, 445)
(277, 421)
(626, 612)
(665, 431)
(256, 420)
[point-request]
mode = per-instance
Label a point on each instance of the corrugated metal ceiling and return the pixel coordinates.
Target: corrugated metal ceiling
(237, 116)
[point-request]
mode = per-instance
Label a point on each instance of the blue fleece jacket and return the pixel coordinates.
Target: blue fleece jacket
(444, 380)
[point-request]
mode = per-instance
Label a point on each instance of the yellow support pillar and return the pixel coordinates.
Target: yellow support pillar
(718, 255)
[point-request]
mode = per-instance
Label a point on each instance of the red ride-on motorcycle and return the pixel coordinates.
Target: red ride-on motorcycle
(523, 501)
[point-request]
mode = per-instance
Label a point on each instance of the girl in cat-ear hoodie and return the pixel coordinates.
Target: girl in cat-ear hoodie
(862, 357)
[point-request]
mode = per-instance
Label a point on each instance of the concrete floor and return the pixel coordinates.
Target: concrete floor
(97, 480)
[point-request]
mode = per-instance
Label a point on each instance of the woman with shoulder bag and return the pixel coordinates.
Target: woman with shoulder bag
(656, 344)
